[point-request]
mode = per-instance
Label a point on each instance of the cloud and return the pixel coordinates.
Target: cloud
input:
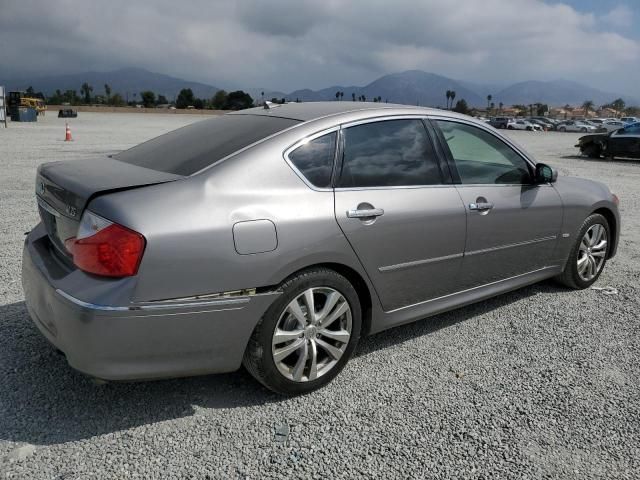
(294, 44)
(621, 17)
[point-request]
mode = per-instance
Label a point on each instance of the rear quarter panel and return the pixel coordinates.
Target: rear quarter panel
(189, 223)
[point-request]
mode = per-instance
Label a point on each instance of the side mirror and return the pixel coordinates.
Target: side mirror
(545, 173)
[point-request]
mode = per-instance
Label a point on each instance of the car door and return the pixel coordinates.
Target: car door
(397, 207)
(625, 142)
(512, 223)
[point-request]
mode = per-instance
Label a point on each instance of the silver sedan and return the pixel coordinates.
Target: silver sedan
(277, 237)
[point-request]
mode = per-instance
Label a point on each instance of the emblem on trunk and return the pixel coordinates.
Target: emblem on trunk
(71, 210)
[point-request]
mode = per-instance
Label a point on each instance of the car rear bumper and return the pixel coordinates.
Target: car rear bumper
(139, 341)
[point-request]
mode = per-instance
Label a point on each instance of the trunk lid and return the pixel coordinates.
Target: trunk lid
(63, 190)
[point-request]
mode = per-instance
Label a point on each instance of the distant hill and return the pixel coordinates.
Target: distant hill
(558, 92)
(123, 81)
(418, 87)
(411, 87)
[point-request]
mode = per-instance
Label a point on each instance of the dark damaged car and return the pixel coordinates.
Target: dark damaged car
(624, 142)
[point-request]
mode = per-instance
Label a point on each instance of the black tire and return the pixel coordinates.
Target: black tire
(583, 130)
(258, 358)
(509, 127)
(570, 277)
(592, 151)
(562, 129)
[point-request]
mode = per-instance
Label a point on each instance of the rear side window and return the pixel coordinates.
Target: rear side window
(314, 159)
(388, 154)
(194, 147)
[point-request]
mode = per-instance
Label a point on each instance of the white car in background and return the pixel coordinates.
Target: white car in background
(630, 119)
(523, 125)
(610, 125)
(576, 126)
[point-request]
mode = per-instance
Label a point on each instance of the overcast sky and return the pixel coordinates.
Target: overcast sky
(285, 45)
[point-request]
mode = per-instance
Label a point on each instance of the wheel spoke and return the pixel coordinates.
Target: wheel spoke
(313, 368)
(335, 352)
(598, 254)
(602, 244)
(584, 244)
(281, 336)
(592, 267)
(311, 308)
(341, 336)
(331, 301)
(282, 353)
(337, 313)
(298, 370)
(583, 263)
(296, 311)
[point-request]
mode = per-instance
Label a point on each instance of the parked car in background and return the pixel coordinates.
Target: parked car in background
(523, 125)
(623, 142)
(630, 119)
(500, 122)
(276, 237)
(543, 125)
(610, 126)
(546, 120)
(575, 126)
(67, 113)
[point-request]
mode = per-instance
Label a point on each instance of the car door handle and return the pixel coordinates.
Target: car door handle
(366, 213)
(481, 206)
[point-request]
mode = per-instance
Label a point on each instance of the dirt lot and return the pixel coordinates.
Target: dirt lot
(538, 383)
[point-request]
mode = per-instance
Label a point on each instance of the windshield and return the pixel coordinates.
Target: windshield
(189, 149)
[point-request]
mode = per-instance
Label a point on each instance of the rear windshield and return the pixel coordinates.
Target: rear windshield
(194, 147)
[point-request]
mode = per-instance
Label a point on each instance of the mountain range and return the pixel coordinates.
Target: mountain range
(411, 87)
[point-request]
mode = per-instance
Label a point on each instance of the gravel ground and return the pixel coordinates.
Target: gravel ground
(538, 383)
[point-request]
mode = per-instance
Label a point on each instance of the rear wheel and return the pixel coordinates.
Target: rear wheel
(589, 254)
(583, 130)
(562, 129)
(307, 336)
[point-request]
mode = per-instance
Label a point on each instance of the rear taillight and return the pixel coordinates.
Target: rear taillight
(105, 248)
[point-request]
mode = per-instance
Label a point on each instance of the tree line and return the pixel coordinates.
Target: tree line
(222, 100)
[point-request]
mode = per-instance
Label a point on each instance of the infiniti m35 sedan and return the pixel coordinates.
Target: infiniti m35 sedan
(276, 237)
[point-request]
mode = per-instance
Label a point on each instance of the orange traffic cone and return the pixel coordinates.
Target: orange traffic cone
(67, 133)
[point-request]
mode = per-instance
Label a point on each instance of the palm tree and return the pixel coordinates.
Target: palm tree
(86, 89)
(353, 97)
(453, 96)
(107, 91)
(500, 105)
(448, 98)
(489, 97)
(337, 95)
(587, 106)
(341, 95)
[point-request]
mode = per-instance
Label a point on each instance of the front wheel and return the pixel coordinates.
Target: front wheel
(562, 129)
(307, 335)
(589, 254)
(583, 130)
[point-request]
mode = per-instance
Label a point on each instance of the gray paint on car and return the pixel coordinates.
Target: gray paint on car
(211, 233)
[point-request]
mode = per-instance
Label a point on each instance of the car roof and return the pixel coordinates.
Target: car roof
(308, 111)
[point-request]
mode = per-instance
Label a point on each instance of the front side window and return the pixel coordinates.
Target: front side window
(314, 159)
(482, 158)
(388, 154)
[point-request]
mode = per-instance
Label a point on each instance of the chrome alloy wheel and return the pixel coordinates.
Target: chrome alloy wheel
(312, 334)
(592, 252)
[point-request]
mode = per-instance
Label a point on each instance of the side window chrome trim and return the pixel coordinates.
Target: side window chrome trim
(503, 139)
(304, 141)
(417, 116)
